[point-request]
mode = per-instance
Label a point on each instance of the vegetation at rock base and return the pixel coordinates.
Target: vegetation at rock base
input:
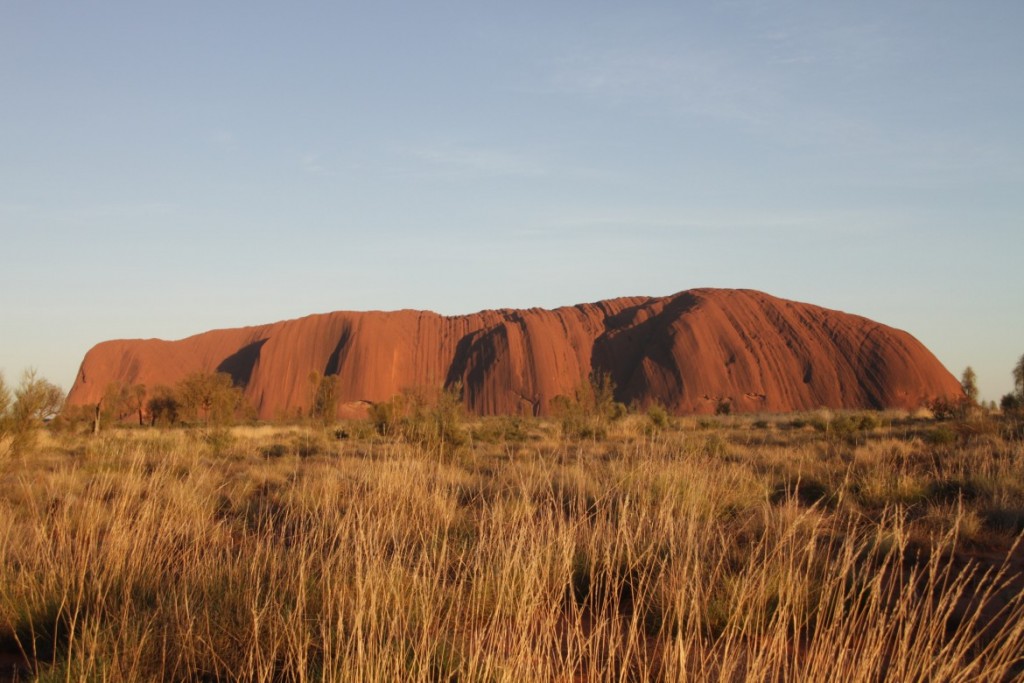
(590, 410)
(430, 419)
(325, 397)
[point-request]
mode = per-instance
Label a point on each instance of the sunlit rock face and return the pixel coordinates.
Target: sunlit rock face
(688, 352)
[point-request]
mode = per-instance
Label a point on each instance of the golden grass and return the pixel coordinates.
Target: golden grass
(716, 551)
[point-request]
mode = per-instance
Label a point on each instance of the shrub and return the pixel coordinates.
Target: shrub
(946, 409)
(591, 408)
(868, 422)
(324, 408)
(385, 416)
(122, 401)
(219, 439)
(941, 436)
(163, 407)
(658, 416)
(209, 398)
(419, 418)
(36, 402)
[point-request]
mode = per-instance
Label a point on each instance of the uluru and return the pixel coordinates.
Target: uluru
(688, 352)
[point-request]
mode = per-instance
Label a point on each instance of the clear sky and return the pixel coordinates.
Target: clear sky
(168, 168)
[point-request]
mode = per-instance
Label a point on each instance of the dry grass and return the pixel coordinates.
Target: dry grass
(734, 549)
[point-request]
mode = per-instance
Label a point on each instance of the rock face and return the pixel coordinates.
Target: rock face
(687, 351)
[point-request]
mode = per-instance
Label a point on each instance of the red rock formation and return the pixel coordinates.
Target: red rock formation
(686, 351)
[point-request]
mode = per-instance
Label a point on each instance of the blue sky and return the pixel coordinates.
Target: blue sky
(168, 168)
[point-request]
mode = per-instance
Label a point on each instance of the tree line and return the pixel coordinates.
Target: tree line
(207, 398)
(214, 399)
(203, 398)
(1010, 402)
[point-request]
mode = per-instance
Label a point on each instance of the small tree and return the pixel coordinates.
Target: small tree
(122, 400)
(386, 416)
(969, 383)
(210, 398)
(36, 401)
(163, 407)
(325, 397)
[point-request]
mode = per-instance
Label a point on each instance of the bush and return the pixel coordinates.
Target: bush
(591, 408)
(846, 426)
(36, 402)
(941, 436)
(219, 439)
(324, 409)
(164, 407)
(419, 418)
(209, 398)
(947, 409)
(386, 415)
(658, 416)
(508, 428)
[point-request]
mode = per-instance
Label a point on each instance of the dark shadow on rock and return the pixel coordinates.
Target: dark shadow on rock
(241, 363)
(622, 348)
(460, 360)
(337, 358)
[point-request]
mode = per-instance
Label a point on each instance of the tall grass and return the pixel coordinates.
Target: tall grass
(730, 553)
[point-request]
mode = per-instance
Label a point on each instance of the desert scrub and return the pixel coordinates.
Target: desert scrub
(726, 553)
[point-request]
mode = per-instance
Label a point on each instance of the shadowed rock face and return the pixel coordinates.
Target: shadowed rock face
(685, 351)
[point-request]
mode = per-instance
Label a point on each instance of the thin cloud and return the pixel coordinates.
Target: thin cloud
(702, 83)
(718, 220)
(478, 160)
(311, 162)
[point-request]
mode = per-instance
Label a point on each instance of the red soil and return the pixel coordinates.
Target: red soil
(685, 351)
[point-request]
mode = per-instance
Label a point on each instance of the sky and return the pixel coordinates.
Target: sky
(169, 168)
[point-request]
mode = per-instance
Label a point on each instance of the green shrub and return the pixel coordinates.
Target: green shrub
(219, 440)
(591, 408)
(940, 436)
(658, 416)
(386, 416)
(431, 421)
